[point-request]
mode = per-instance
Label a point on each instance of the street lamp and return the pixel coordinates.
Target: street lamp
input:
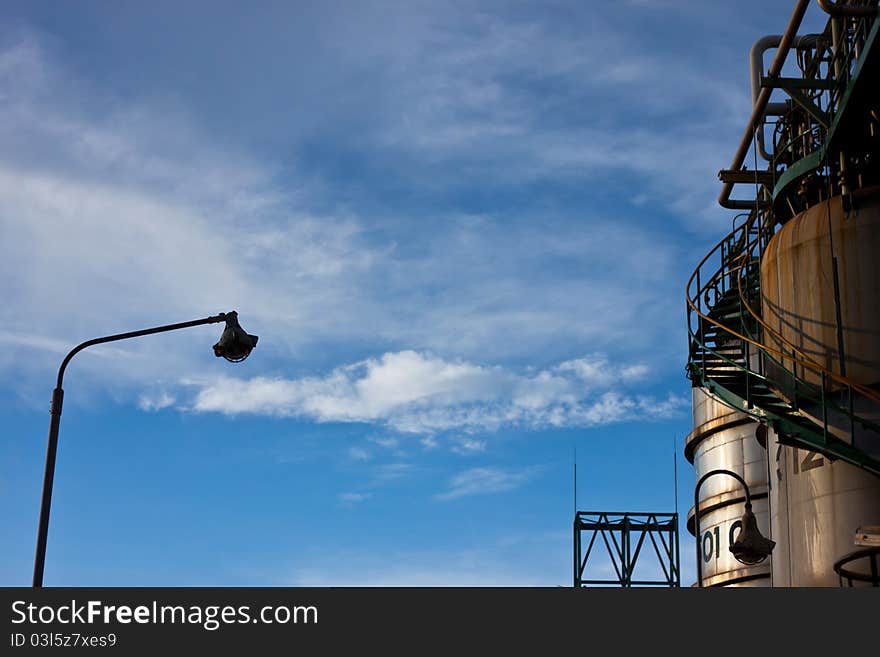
(234, 345)
(750, 546)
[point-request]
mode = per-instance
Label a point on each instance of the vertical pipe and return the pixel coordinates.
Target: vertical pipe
(852, 416)
(838, 74)
(840, 353)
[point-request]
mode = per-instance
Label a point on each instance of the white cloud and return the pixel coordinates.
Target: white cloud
(482, 481)
(597, 372)
(421, 393)
(126, 214)
(155, 402)
(468, 446)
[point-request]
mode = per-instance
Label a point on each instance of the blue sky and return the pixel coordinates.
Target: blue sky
(461, 230)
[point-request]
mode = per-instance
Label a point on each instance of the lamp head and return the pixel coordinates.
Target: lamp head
(750, 546)
(235, 344)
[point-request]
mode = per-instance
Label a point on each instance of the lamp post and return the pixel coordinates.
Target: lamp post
(234, 345)
(750, 546)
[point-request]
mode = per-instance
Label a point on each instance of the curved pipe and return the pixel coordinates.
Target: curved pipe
(760, 106)
(756, 59)
(837, 10)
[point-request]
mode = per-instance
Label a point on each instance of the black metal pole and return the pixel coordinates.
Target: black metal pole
(55, 422)
(48, 478)
(697, 515)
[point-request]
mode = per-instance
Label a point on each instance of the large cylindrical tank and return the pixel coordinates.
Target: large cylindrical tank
(798, 292)
(726, 439)
(818, 506)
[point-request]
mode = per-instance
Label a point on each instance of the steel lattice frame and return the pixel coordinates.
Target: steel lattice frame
(623, 535)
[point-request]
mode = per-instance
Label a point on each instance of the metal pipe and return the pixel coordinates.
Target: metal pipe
(837, 49)
(841, 354)
(55, 422)
(756, 70)
(833, 9)
(760, 105)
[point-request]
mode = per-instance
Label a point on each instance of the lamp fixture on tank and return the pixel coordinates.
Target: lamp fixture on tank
(750, 546)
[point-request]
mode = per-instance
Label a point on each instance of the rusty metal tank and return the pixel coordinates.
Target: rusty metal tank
(798, 291)
(726, 439)
(817, 505)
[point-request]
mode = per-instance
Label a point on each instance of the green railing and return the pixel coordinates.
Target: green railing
(745, 363)
(734, 353)
(801, 138)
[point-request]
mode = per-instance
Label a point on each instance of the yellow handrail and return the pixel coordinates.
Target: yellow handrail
(813, 365)
(805, 361)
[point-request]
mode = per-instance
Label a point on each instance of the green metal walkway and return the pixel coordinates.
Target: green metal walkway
(733, 353)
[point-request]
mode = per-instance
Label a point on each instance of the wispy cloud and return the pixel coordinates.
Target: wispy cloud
(420, 393)
(155, 402)
(391, 471)
(387, 442)
(483, 481)
(147, 214)
(359, 454)
(467, 446)
(523, 96)
(125, 214)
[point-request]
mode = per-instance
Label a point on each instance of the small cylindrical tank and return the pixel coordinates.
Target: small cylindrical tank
(726, 439)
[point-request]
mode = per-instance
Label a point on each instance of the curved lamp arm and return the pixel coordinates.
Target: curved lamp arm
(711, 473)
(55, 421)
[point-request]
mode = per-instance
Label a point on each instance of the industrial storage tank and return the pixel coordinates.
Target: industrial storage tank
(784, 313)
(729, 440)
(818, 506)
(833, 318)
(800, 299)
